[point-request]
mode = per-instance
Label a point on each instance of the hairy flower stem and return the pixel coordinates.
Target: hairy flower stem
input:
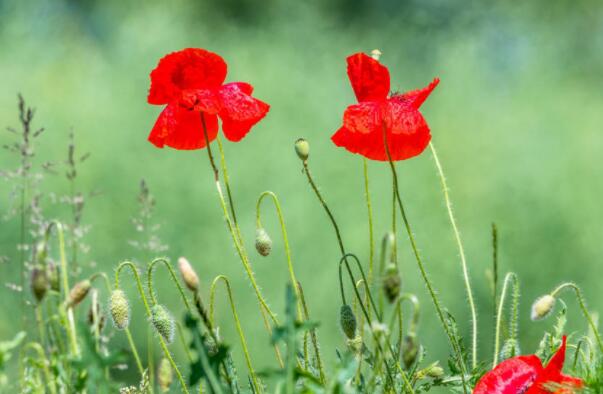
(228, 190)
(313, 335)
(453, 340)
(264, 308)
(43, 361)
(513, 323)
(582, 303)
(147, 308)
(459, 243)
(235, 315)
(369, 209)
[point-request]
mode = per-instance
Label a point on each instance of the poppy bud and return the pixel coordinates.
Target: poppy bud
(376, 54)
(542, 307)
(302, 148)
(120, 309)
(39, 283)
(53, 276)
(347, 320)
(391, 283)
(410, 349)
(263, 243)
(165, 375)
(78, 293)
(163, 322)
(189, 276)
(510, 349)
(435, 371)
(96, 310)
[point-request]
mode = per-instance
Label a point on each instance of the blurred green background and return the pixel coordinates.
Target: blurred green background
(517, 120)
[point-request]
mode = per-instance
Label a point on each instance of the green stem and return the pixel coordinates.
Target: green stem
(151, 270)
(228, 189)
(44, 361)
(508, 278)
(313, 335)
(369, 208)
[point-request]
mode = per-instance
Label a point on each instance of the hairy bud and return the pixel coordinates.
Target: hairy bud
(263, 243)
(347, 320)
(391, 283)
(435, 372)
(542, 307)
(189, 276)
(302, 148)
(165, 375)
(78, 293)
(120, 309)
(163, 322)
(39, 283)
(53, 276)
(410, 349)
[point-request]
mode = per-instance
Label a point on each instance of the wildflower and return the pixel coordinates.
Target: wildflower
(190, 83)
(163, 322)
(378, 112)
(525, 374)
(189, 276)
(347, 320)
(302, 148)
(78, 293)
(120, 309)
(542, 307)
(263, 243)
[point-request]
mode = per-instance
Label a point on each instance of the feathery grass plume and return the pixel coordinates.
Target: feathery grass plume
(410, 349)
(391, 283)
(165, 375)
(189, 276)
(542, 307)
(347, 321)
(302, 148)
(39, 283)
(120, 309)
(163, 322)
(263, 243)
(78, 293)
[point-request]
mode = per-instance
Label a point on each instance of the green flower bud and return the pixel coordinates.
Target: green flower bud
(435, 372)
(347, 320)
(263, 243)
(410, 349)
(165, 375)
(391, 283)
(78, 293)
(542, 307)
(163, 322)
(39, 283)
(302, 148)
(189, 276)
(120, 309)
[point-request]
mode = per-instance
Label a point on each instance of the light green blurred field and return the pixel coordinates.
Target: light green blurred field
(517, 120)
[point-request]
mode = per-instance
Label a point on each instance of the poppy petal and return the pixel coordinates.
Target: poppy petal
(369, 78)
(190, 68)
(239, 111)
(511, 376)
(408, 132)
(417, 97)
(180, 128)
(551, 374)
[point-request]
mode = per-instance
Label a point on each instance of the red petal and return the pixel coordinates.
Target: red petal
(417, 97)
(512, 376)
(180, 128)
(191, 68)
(239, 111)
(369, 78)
(552, 374)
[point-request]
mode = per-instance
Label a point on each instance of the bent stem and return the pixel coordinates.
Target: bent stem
(513, 322)
(453, 341)
(459, 243)
(582, 303)
(235, 316)
(151, 269)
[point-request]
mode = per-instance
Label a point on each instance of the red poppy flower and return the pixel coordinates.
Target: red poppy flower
(406, 130)
(525, 374)
(191, 83)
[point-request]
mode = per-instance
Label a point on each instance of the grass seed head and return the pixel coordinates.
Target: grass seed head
(302, 148)
(78, 293)
(347, 320)
(542, 307)
(263, 243)
(189, 276)
(163, 322)
(120, 309)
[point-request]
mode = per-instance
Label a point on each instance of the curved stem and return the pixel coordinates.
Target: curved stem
(459, 243)
(235, 316)
(508, 278)
(151, 269)
(582, 303)
(134, 351)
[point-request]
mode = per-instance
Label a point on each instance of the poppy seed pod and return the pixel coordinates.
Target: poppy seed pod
(120, 309)
(189, 276)
(347, 320)
(39, 283)
(391, 283)
(78, 293)
(410, 349)
(542, 307)
(165, 375)
(302, 148)
(263, 243)
(163, 322)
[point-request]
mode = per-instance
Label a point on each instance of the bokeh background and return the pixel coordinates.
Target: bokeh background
(517, 120)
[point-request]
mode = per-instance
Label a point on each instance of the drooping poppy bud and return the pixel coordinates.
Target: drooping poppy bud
(189, 276)
(120, 309)
(347, 320)
(263, 243)
(391, 283)
(302, 148)
(410, 349)
(53, 276)
(39, 283)
(165, 375)
(96, 317)
(78, 293)
(163, 322)
(542, 307)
